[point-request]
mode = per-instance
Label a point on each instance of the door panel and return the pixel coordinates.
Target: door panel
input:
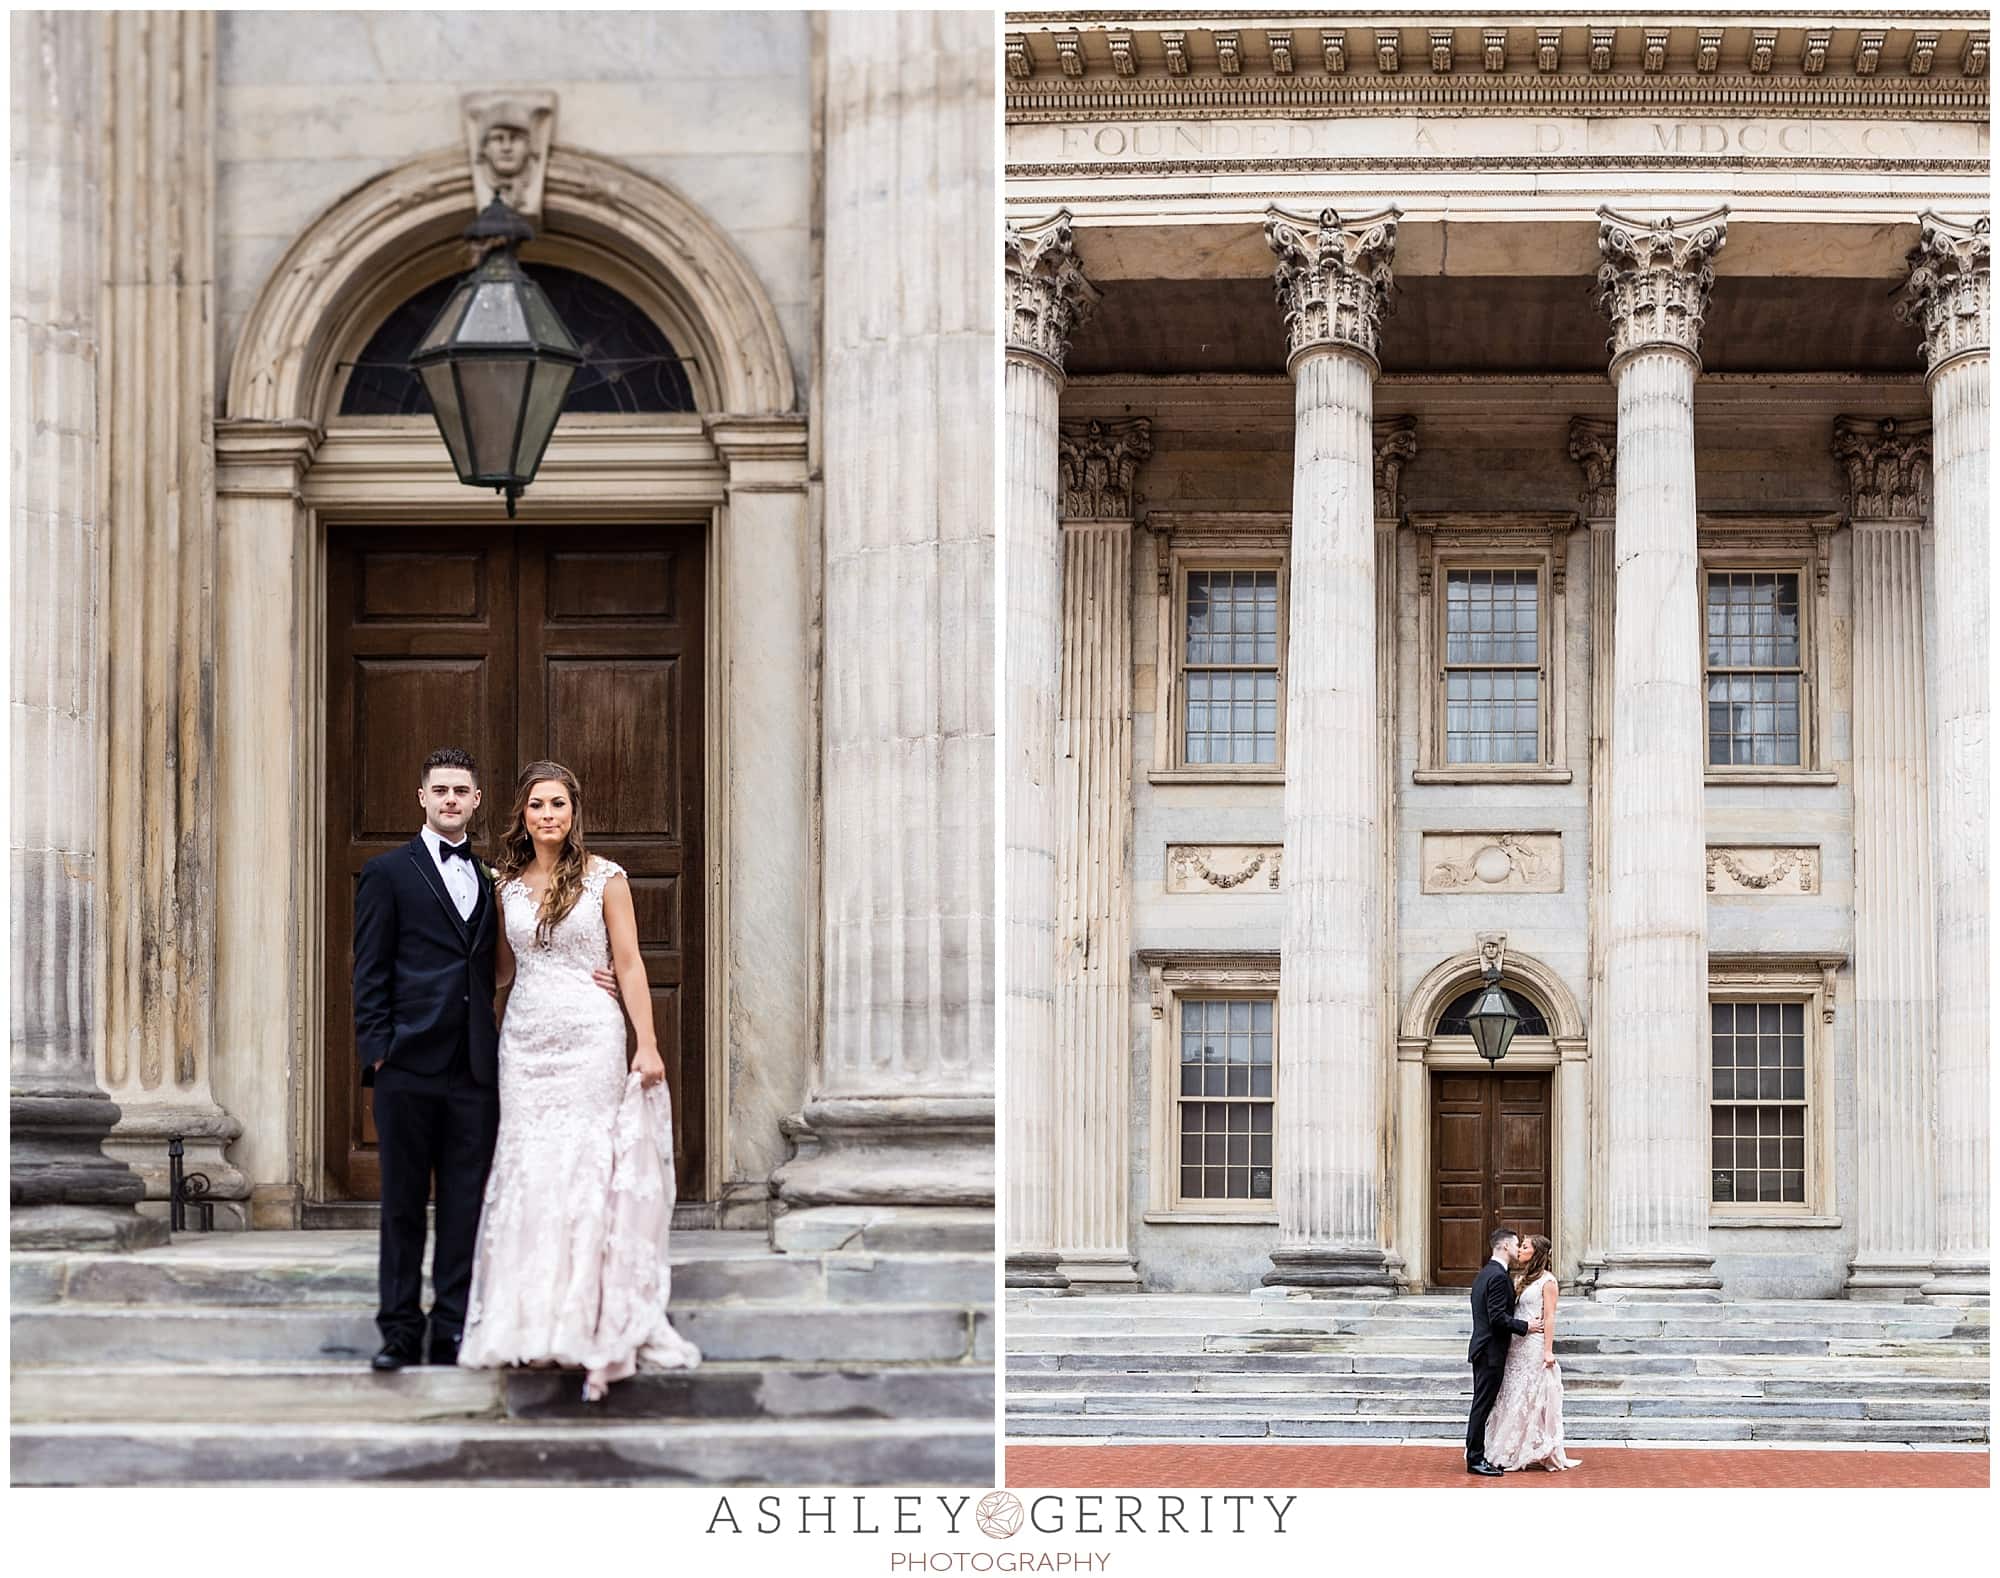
(579, 643)
(1490, 1162)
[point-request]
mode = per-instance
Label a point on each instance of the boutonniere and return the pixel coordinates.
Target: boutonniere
(492, 874)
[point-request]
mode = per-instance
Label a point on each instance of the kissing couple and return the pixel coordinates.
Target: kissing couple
(489, 1017)
(1517, 1400)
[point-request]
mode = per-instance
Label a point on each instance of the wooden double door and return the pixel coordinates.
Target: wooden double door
(1490, 1138)
(577, 644)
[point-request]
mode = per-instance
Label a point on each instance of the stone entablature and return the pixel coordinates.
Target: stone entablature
(1060, 66)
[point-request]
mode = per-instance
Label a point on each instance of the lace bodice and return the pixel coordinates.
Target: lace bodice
(1530, 1300)
(577, 945)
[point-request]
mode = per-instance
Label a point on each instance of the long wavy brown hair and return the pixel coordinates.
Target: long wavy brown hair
(1538, 1262)
(517, 847)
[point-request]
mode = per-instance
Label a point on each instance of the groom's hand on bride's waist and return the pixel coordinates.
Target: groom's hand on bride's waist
(608, 981)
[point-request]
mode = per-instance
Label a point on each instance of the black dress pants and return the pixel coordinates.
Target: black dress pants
(1486, 1372)
(442, 1127)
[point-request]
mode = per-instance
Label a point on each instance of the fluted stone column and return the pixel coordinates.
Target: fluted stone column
(902, 1111)
(1653, 285)
(158, 376)
(1949, 296)
(1895, 1037)
(1333, 282)
(1093, 1019)
(64, 1191)
(1047, 297)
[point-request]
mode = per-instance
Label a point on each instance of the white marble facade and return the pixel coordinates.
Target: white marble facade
(1633, 882)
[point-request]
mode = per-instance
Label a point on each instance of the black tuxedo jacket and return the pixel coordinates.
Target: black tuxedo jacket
(1493, 1319)
(423, 978)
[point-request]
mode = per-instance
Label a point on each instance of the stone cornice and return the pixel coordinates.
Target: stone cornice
(1047, 295)
(1333, 278)
(1654, 281)
(1950, 289)
(1101, 65)
(1888, 465)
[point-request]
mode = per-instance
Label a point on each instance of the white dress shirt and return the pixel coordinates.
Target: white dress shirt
(460, 880)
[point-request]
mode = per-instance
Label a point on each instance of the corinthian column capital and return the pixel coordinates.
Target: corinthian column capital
(1100, 463)
(1653, 283)
(1948, 293)
(1047, 296)
(1888, 465)
(1333, 278)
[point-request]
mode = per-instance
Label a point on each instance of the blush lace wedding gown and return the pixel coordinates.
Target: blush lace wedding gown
(571, 1264)
(1527, 1422)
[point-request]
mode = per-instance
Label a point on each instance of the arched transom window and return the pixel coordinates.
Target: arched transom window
(1452, 1022)
(628, 364)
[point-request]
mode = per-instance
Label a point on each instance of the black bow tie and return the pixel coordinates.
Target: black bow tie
(446, 851)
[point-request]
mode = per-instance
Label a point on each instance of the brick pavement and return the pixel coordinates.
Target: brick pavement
(1184, 1465)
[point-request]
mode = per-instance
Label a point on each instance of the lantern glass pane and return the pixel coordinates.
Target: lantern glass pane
(548, 329)
(447, 320)
(494, 317)
(451, 421)
(547, 385)
(493, 389)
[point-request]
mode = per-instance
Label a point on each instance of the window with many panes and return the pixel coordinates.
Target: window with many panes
(1226, 1099)
(1758, 1094)
(1492, 666)
(1756, 669)
(1229, 668)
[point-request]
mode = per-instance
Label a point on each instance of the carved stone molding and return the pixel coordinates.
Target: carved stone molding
(508, 135)
(1047, 295)
(1593, 445)
(1949, 292)
(1334, 278)
(1505, 532)
(1492, 863)
(1395, 447)
(1888, 466)
(1654, 281)
(1099, 461)
(1224, 868)
(1763, 868)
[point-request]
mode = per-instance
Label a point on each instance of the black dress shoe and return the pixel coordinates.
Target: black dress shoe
(396, 1352)
(1481, 1466)
(443, 1350)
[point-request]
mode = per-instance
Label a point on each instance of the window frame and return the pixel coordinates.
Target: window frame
(1245, 541)
(1784, 545)
(1508, 540)
(1176, 978)
(1808, 980)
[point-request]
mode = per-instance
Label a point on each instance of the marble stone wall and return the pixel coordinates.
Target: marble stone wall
(1236, 455)
(311, 104)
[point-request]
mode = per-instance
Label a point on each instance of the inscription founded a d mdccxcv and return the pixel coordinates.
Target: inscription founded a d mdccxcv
(1497, 138)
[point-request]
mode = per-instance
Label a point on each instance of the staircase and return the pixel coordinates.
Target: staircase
(1268, 1366)
(243, 1358)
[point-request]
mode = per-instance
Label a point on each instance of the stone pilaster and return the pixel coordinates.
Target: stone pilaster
(1593, 445)
(1047, 298)
(1333, 282)
(1895, 1039)
(64, 1191)
(1093, 1021)
(1653, 285)
(902, 1109)
(1949, 296)
(158, 372)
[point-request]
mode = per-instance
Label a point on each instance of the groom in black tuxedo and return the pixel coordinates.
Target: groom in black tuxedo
(424, 938)
(1493, 1328)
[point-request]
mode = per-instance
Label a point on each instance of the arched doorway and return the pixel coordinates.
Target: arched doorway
(646, 619)
(1483, 1146)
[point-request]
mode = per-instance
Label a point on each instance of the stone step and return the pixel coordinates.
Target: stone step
(1451, 1427)
(1270, 1307)
(703, 1273)
(335, 1392)
(814, 1452)
(855, 1333)
(1567, 1346)
(1797, 1366)
(1282, 1386)
(1349, 1405)
(1584, 1322)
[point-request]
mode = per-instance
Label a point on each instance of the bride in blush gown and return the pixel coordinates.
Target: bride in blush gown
(1527, 1424)
(571, 1264)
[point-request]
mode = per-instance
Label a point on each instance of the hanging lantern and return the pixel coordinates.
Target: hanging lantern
(497, 363)
(1493, 1021)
